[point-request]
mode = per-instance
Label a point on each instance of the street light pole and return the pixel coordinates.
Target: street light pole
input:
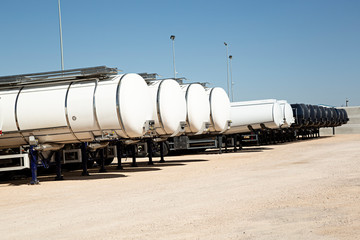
(172, 37)
(227, 68)
(232, 83)
(61, 40)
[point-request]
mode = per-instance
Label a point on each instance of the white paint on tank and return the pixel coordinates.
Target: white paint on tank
(39, 108)
(169, 106)
(287, 113)
(255, 113)
(197, 107)
(8, 100)
(80, 106)
(219, 109)
(68, 113)
(105, 105)
(134, 106)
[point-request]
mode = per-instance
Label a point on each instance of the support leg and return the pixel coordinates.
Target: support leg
(133, 151)
(150, 151)
(226, 144)
(240, 144)
(220, 143)
(33, 165)
(58, 165)
(102, 161)
(84, 159)
(235, 143)
(119, 152)
(162, 152)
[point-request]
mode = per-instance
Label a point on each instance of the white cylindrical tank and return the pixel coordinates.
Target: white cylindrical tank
(169, 107)
(123, 105)
(75, 112)
(287, 113)
(197, 108)
(254, 114)
(219, 109)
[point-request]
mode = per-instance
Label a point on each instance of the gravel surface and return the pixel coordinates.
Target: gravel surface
(303, 190)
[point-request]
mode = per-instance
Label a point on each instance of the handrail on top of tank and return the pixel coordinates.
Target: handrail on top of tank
(153, 77)
(99, 72)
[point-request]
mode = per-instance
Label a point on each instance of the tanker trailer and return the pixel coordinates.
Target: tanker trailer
(345, 118)
(197, 109)
(47, 110)
(169, 107)
(219, 122)
(169, 114)
(323, 121)
(286, 133)
(219, 110)
(312, 115)
(301, 114)
(255, 115)
(260, 117)
(318, 114)
(287, 113)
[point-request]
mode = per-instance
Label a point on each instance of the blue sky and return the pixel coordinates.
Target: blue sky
(302, 51)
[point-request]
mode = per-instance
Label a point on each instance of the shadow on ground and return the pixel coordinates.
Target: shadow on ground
(46, 175)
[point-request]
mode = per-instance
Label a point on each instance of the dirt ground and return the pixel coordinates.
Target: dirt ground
(304, 190)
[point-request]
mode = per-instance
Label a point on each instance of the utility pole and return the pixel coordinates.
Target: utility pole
(172, 37)
(227, 68)
(61, 40)
(232, 83)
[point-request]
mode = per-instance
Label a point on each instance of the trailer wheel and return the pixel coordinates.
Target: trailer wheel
(156, 149)
(108, 161)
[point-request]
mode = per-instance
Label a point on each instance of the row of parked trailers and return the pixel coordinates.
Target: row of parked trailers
(95, 114)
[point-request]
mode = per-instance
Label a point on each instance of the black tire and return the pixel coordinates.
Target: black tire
(108, 161)
(156, 149)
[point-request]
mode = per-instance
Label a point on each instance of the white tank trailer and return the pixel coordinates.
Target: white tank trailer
(219, 110)
(255, 115)
(75, 111)
(287, 113)
(169, 107)
(197, 109)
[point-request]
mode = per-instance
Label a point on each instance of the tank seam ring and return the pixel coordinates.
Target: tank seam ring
(211, 114)
(118, 106)
(94, 105)
(67, 113)
(187, 103)
(158, 106)
(16, 116)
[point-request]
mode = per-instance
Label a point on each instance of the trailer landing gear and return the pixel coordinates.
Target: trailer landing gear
(58, 166)
(102, 160)
(33, 166)
(219, 138)
(84, 159)
(118, 153)
(150, 152)
(161, 152)
(133, 153)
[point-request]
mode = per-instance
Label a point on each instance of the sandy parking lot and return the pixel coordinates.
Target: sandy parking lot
(303, 190)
